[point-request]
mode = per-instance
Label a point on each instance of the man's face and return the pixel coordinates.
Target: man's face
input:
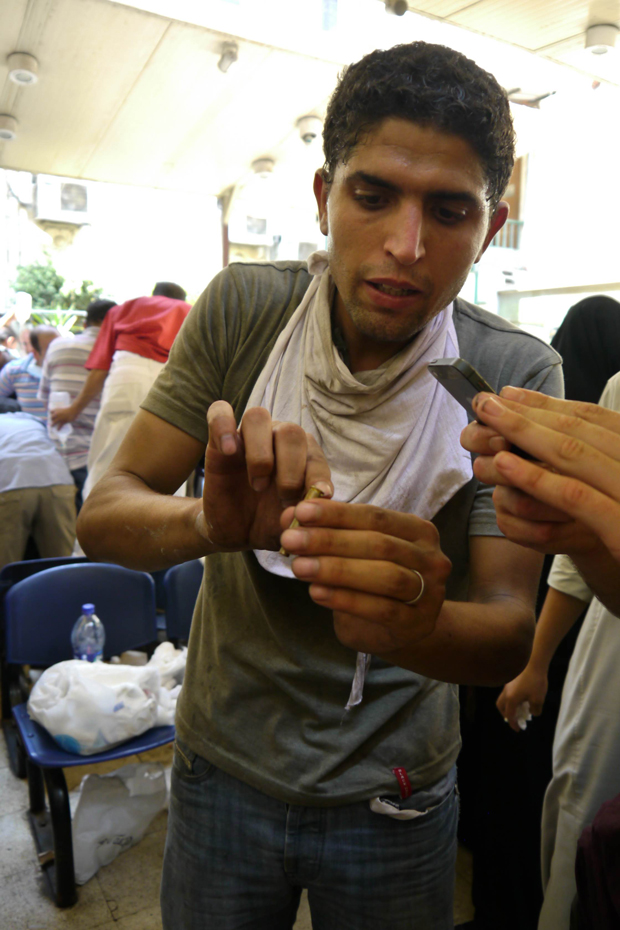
(406, 217)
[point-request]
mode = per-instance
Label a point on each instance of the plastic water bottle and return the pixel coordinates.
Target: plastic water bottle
(88, 635)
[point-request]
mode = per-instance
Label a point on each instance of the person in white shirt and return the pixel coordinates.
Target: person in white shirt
(37, 494)
(63, 370)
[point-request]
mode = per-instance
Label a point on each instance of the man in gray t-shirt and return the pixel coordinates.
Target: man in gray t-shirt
(275, 786)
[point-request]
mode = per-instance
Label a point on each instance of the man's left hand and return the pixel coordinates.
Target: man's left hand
(361, 562)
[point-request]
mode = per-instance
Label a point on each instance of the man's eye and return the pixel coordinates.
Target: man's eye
(445, 215)
(367, 199)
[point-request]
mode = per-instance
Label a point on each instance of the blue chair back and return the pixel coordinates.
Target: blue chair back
(182, 584)
(40, 611)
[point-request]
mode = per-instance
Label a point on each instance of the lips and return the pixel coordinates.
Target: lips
(392, 294)
(393, 287)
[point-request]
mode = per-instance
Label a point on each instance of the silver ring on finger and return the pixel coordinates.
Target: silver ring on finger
(414, 600)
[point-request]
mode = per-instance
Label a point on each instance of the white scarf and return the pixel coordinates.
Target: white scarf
(391, 435)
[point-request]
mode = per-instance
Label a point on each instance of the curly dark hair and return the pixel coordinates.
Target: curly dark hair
(428, 84)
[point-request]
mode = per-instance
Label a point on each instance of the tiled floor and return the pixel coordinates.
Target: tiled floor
(124, 894)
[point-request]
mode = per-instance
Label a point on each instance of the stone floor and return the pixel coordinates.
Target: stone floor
(121, 896)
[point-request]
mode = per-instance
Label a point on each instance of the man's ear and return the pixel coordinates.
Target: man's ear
(498, 219)
(321, 192)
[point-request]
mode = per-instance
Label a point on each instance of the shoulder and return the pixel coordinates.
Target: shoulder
(16, 366)
(245, 295)
(503, 353)
(277, 279)
(61, 345)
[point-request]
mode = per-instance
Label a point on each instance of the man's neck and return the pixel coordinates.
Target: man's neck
(358, 352)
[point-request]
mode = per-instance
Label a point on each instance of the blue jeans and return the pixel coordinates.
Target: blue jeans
(236, 858)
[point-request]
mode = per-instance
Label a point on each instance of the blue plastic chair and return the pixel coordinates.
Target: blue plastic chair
(39, 614)
(11, 694)
(181, 584)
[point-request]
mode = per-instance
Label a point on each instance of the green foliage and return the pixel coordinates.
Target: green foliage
(79, 300)
(44, 284)
(64, 320)
(41, 281)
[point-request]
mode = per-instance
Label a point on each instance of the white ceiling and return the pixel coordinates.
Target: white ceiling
(132, 96)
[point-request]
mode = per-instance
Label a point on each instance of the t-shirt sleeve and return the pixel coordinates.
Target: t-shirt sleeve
(193, 376)
(103, 349)
(565, 577)
(548, 379)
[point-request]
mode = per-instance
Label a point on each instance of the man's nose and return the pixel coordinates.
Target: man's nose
(405, 240)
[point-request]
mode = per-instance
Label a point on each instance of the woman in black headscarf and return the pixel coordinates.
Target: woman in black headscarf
(589, 342)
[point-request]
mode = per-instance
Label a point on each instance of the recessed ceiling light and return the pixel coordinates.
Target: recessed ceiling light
(601, 38)
(23, 68)
(263, 167)
(8, 127)
(397, 7)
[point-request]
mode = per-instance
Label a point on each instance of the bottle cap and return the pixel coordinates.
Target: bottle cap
(88, 608)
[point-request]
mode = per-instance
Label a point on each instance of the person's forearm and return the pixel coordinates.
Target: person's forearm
(473, 643)
(601, 573)
(559, 613)
(124, 521)
(92, 388)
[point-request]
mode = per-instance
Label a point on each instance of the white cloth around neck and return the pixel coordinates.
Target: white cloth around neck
(390, 435)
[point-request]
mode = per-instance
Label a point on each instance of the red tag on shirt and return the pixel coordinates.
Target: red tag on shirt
(404, 785)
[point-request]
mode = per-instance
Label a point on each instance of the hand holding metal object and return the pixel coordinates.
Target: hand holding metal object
(311, 494)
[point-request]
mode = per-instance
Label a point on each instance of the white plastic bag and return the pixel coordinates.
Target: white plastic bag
(113, 813)
(171, 664)
(90, 706)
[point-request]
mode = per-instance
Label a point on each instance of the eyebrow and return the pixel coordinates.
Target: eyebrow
(448, 195)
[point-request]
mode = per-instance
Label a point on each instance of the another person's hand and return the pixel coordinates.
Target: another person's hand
(252, 474)
(530, 686)
(362, 563)
(570, 499)
(61, 415)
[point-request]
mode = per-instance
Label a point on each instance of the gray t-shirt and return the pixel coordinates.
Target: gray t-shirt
(266, 679)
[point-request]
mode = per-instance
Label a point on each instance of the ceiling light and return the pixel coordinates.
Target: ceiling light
(230, 53)
(309, 128)
(8, 127)
(23, 68)
(397, 7)
(601, 38)
(263, 167)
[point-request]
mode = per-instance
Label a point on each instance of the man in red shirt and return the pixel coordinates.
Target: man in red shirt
(131, 349)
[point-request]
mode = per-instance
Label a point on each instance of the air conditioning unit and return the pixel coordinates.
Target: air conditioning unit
(61, 200)
(249, 230)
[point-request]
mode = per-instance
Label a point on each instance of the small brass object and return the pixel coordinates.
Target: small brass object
(311, 494)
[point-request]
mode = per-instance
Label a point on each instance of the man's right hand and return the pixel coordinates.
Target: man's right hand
(252, 474)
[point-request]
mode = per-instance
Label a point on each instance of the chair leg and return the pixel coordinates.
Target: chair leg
(36, 788)
(60, 811)
(17, 756)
